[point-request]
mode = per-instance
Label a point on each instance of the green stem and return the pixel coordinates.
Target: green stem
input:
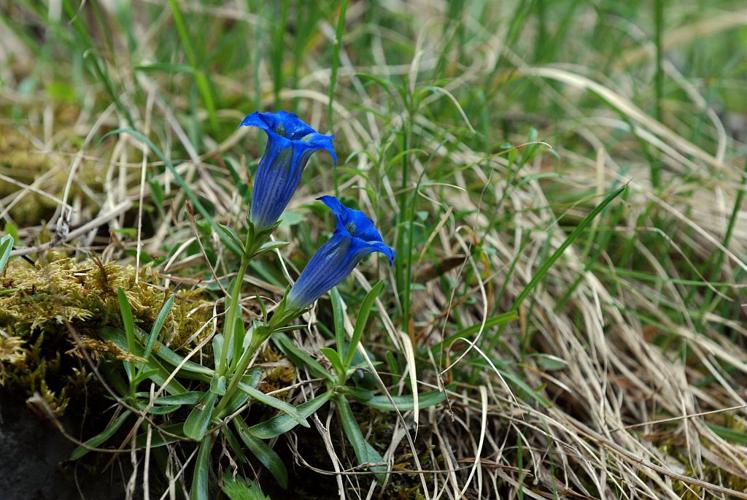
(250, 246)
(259, 335)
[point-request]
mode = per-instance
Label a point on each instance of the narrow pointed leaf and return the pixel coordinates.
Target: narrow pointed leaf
(101, 438)
(280, 424)
(198, 420)
(274, 402)
(157, 325)
(201, 474)
(266, 455)
(6, 246)
(299, 357)
(364, 452)
(360, 322)
(404, 403)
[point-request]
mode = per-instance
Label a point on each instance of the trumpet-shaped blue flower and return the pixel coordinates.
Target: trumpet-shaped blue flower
(290, 144)
(355, 238)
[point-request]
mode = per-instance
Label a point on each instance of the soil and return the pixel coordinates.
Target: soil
(34, 461)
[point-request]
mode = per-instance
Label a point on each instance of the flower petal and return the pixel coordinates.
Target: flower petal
(381, 247)
(352, 221)
(337, 258)
(282, 123)
(316, 141)
(290, 144)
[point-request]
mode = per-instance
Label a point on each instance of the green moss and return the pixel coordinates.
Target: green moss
(51, 313)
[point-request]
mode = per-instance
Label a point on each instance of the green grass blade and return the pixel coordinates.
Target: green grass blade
(338, 318)
(199, 418)
(577, 231)
(129, 326)
(339, 31)
(201, 79)
(361, 320)
(157, 325)
(6, 246)
(406, 402)
(299, 357)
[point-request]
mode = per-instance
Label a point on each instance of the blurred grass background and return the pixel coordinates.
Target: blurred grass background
(480, 135)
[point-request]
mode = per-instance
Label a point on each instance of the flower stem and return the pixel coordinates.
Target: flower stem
(233, 310)
(259, 335)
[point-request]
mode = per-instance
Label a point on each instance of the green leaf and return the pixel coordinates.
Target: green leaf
(6, 246)
(404, 403)
(234, 444)
(334, 358)
(165, 67)
(218, 341)
(550, 363)
(270, 246)
(338, 316)
(364, 452)
(282, 423)
(728, 434)
(240, 488)
(360, 322)
(159, 376)
(218, 385)
(274, 402)
(188, 369)
(200, 476)
(251, 378)
(161, 436)
(491, 322)
(266, 455)
(163, 409)
(300, 357)
(101, 438)
(157, 325)
(577, 231)
(512, 377)
(187, 398)
(229, 233)
(129, 326)
(198, 420)
(144, 374)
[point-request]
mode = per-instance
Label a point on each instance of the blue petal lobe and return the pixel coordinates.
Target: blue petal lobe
(290, 144)
(337, 258)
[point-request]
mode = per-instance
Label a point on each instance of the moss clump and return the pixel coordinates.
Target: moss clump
(278, 372)
(23, 164)
(51, 313)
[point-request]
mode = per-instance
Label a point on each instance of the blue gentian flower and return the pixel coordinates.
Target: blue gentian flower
(290, 144)
(354, 239)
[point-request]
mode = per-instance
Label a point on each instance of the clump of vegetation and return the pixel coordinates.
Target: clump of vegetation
(52, 315)
(33, 181)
